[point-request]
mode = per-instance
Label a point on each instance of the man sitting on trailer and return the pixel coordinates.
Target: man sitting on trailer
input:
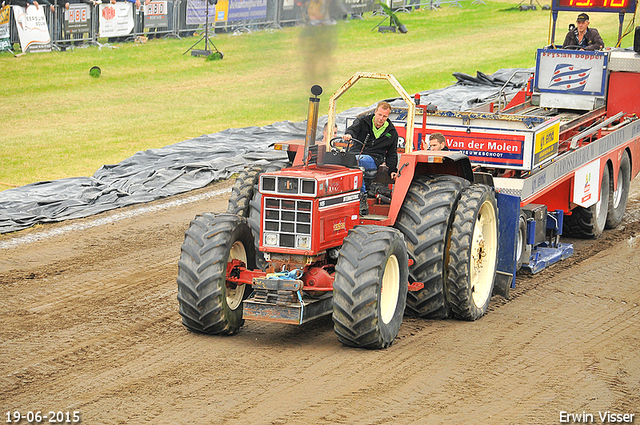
(582, 36)
(437, 142)
(379, 143)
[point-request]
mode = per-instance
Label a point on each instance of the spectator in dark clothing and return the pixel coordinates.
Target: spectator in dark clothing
(21, 3)
(26, 3)
(583, 36)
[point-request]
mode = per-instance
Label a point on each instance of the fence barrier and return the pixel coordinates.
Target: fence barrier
(90, 24)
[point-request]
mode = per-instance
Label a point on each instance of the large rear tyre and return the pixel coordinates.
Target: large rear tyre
(254, 208)
(618, 198)
(589, 223)
(473, 255)
(246, 185)
(207, 303)
(370, 287)
(242, 190)
(425, 219)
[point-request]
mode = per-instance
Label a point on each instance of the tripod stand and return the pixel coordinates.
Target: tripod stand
(205, 36)
(382, 28)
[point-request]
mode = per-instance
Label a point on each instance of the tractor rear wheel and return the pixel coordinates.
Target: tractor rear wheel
(618, 198)
(370, 287)
(209, 304)
(254, 208)
(425, 219)
(242, 190)
(589, 223)
(473, 255)
(245, 185)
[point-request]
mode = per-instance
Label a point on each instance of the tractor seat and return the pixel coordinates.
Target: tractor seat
(370, 174)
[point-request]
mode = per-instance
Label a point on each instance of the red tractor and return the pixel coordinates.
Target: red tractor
(443, 237)
(293, 246)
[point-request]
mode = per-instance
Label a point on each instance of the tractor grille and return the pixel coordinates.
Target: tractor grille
(293, 186)
(287, 223)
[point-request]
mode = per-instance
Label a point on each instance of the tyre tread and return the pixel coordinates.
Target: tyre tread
(424, 220)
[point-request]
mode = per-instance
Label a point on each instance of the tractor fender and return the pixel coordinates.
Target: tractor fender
(418, 163)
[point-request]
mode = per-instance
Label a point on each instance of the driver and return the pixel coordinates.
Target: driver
(379, 137)
(379, 145)
(582, 36)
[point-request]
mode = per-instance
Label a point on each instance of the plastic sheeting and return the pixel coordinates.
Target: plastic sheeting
(195, 163)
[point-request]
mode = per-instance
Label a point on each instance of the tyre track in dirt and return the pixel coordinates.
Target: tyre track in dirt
(90, 322)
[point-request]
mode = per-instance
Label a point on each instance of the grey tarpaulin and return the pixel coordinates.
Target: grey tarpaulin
(192, 164)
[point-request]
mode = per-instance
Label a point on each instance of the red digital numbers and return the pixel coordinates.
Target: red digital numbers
(595, 5)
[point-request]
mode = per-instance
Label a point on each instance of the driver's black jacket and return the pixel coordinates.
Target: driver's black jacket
(383, 149)
(590, 41)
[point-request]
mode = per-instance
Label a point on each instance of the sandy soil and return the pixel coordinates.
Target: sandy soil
(90, 323)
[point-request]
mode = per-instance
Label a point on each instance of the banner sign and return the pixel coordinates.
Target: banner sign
(32, 29)
(546, 144)
(77, 20)
(5, 37)
(197, 12)
(116, 19)
(488, 148)
(586, 185)
(222, 10)
(571, 71)
(156, 15)
(243, 10)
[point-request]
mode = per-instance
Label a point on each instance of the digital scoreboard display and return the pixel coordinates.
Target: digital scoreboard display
(620, 6)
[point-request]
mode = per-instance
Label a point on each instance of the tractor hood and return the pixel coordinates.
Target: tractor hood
(313, 181)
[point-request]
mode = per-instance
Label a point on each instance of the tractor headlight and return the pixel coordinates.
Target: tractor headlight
(270, 239)
(303, 242)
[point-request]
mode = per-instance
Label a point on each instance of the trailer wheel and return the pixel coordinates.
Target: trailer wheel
(424, 219)
(589, 223)
(370, 287)
(521, 246)
(618, 198)
(473, 254)
(207, 303)
(242, 190)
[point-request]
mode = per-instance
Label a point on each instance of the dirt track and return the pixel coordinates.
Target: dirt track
(90, 323)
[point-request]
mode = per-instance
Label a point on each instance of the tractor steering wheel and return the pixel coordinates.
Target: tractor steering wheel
(572, 47)
(333, 143)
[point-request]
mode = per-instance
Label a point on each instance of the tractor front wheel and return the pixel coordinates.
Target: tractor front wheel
(370, 287)
(209, 304)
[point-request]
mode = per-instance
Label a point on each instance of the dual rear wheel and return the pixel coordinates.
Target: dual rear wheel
(452, 236)
(607, 213)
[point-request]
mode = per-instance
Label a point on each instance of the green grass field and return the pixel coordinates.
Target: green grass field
(59, 122)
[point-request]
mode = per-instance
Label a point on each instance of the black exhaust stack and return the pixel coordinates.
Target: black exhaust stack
(312, 122)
